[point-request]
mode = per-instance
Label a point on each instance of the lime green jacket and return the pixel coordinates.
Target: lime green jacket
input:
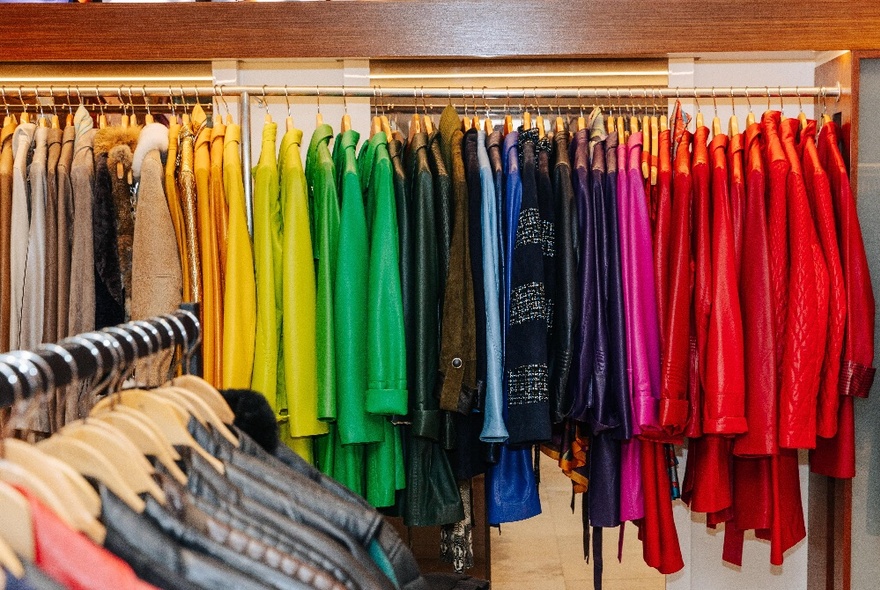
(298, 295)
(268, 372)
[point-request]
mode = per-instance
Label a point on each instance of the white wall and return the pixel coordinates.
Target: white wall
(346, 73)
(702, 547)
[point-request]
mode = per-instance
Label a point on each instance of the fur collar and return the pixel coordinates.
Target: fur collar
(153, 137)
(108, 137)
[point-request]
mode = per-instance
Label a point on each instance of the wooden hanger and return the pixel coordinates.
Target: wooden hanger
(133, 121)
(319, 119)
(539, 123)
(428, 124)
(475, 122)
(633, 125)
(386, 126)
(825, 119)
(169, 417)
(88, 461)
(415, 126)
(581, 122)
(560, 124)
(144, 438)
(14, 474)
(131, 464)
(205, 410)
(489, 128)
(733, 126)
(527, 120)
(124, 121)
(25, 118)
(16, 525)
(41, 121)
(655, 149)
(81, 502)
(664, 123)
(375, 126)
(646, 147)
(508, 124)
(10, 562)
(56, 123)
(208, 393)
(346, 122)
(611, 124)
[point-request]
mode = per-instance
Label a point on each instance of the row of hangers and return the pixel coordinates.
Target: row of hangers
(111, 443)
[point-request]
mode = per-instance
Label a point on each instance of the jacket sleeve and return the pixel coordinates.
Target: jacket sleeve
(386, 366)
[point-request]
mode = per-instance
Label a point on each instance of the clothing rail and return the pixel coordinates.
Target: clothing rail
(378, 93)
(24, 374)
(465, 92)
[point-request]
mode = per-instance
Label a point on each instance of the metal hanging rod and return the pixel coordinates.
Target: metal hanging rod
(460, 92)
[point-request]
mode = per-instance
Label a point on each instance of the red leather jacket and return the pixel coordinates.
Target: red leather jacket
(858, 353)
(676, 322)
(807, 319)
(702, 260)
(756, 300)
(819, 192)
(836, 457)
(777, 167)
(737, 194)
(724, 395)
(662, 235)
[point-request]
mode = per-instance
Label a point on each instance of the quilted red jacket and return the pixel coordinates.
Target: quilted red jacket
(807, 319)
(777, 168)
(835, 457)
(819, 192)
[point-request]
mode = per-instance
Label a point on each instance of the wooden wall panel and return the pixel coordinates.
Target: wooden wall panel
(409, 28)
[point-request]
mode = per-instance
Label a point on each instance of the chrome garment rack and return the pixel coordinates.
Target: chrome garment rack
(471, 95)
(25, 374)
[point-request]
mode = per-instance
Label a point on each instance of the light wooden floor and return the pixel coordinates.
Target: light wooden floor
(545, 552)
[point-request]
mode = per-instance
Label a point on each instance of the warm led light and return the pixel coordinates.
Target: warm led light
(18, 81)
(516, 75)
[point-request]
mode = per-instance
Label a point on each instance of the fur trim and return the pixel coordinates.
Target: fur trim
(153, 137)
(119, 154)
(108, 137)
(254, 416)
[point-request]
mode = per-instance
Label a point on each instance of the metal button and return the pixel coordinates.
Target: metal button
(456, 363)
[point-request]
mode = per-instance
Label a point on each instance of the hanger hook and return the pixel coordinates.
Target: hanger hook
(21, 98)
(344, 99)
(287, 101)
(714, 102)
(696, 101)
(537, 104)
(781, 105)
(100, 102)
(767, 88)
(5, 104)
(318, 97)
(797, 91)
(748, 99)
(146, 100)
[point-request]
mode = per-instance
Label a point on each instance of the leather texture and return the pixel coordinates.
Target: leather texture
(268, 370)
(819, 194)
(807, 318)
(836, 457)
(324, 214)
(352, 278)
(239, 303)
(565, 302)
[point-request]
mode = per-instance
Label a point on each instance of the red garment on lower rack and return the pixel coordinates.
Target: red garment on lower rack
(73, 560)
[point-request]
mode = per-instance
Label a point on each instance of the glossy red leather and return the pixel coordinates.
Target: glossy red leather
(724, 388)
(674, 404)
(807, 319)
(819, 193)
(756, 301)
